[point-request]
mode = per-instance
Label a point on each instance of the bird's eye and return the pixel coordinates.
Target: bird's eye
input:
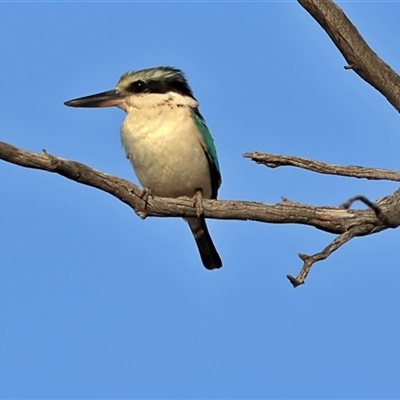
(137, 87)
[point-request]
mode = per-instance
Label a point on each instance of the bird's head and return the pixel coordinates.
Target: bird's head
(141, 85)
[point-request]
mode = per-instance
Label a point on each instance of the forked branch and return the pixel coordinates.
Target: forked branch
(338, 220)
(309, 261)
(346, 223)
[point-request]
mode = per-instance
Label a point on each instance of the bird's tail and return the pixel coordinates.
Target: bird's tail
(208, 252)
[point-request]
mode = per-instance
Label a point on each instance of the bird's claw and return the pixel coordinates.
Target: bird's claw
(198, 203)
(146, 193)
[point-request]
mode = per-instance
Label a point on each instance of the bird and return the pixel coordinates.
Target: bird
(167, 141)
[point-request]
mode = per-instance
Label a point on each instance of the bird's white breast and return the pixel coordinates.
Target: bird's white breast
(165, 149)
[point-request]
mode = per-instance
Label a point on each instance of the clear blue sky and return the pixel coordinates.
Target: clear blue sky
(95, 302)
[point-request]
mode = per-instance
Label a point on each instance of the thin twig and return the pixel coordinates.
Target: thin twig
(353, 171)
(376, 208)
(309, 261)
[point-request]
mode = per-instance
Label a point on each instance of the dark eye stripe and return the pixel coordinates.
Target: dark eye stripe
(158, 86)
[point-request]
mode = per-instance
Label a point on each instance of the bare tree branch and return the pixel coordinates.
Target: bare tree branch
(347, 224)
(309, 261)
(353, 171)
(338, 220)
(330, 219)
(391, 219)
(359, 56)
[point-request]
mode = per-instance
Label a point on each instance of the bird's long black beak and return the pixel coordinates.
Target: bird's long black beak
(104, 99)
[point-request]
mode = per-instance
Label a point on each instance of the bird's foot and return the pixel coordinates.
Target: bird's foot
(146, 193)
(198, 203)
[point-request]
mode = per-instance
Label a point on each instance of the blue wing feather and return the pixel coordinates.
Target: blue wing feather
(210, 151)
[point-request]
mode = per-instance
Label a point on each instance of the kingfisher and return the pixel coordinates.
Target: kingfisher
(167, 142)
